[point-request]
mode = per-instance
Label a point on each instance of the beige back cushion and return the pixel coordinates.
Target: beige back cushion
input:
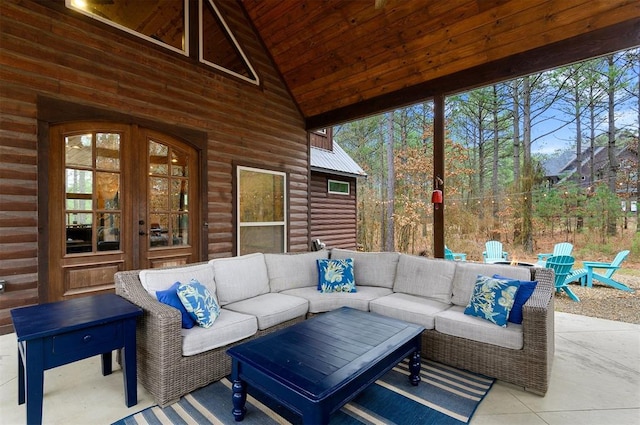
(371, 268)
(160, 279)
(466, 274)
(425, 277)
(290, 271)
(239, 278)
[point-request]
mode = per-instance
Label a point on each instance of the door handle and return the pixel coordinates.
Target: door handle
(142, 232)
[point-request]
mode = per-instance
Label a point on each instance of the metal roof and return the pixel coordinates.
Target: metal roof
(335, 162)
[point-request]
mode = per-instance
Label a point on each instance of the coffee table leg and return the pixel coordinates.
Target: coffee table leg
(414, 368)
(239, 398)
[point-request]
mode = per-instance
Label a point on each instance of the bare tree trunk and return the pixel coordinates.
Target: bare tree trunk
(516, 134)
(496, 148)
(481, 158)
(527, 172)
(611, 145)
(578, 117)
(389, 242)
(638, 162)
(592, 121)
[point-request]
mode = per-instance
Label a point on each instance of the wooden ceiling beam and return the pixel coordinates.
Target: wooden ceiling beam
(617, 37)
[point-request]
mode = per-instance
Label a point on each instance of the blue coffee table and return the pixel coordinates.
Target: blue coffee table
(317, 366)
(54, 334)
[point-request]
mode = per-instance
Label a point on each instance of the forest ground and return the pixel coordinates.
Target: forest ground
(600, 300)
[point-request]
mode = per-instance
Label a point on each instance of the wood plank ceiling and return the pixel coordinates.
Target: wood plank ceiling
(342, 60)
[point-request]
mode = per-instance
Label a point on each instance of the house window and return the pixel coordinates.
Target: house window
(261, 211)
(161, 22)
(218, 46)
(338, 187)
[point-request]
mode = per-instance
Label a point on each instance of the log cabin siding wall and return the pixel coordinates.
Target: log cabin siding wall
(62, 55)
(333, 217)
(322, 141)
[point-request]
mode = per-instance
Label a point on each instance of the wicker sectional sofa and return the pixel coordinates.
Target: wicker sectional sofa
(261, 293)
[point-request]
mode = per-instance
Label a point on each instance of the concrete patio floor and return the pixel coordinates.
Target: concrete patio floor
(595, 381)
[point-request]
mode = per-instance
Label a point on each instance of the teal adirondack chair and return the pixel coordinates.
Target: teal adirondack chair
(563, 248)
(493, 252)
(454, 256)
(587, 274)
(561, 265)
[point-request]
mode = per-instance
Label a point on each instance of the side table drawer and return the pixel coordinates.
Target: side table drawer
(87, 342)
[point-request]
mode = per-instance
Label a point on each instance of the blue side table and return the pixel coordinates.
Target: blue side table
(54, 334)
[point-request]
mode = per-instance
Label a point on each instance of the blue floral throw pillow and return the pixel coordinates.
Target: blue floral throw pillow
(525, 290)
(336, 275)
(170, 297)
(492, 299)
(199, 302)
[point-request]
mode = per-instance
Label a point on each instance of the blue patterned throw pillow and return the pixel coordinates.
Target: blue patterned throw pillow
(525, 290)
(199, 302)
(336, 275)
(170, 297)
(492, 299)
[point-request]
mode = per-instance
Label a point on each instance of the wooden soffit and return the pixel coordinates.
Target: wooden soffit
(344, 59)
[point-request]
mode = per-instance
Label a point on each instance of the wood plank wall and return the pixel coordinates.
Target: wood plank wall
(333, 217)
(48, 52)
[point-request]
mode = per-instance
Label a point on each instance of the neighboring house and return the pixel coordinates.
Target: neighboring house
(334, 179)
(565, 166)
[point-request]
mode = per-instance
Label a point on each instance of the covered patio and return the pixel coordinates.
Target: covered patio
(310, 65)
(595, 380)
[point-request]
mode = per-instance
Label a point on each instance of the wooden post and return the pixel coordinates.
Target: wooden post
(438, 172)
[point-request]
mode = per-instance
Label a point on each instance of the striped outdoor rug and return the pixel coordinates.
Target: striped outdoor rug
(445, 396)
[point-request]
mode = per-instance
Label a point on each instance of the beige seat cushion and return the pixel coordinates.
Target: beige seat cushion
(321, 303)
(410, 308)
(454, 322)
(271, 309)
(228, 328)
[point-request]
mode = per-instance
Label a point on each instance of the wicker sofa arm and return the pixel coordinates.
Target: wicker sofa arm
(542, 298)
(158, 333)
(539, 328)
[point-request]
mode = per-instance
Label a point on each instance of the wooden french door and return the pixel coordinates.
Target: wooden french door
(121, 197)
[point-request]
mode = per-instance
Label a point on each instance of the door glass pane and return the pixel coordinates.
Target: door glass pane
(179, 197)
(79, 233)
(79, 189)
(179, 164)
(159, 193)
(78, 151)
(180, 228)
(92, 192)
(159, 230)
(168, 196)
(108, 151)
(108, 232)
(108, 189)
(158, 158)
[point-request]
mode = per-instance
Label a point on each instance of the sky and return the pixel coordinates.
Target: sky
(564, 138)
